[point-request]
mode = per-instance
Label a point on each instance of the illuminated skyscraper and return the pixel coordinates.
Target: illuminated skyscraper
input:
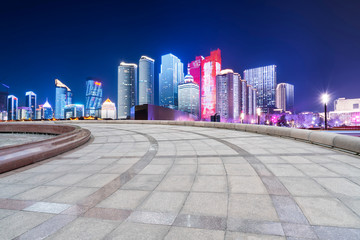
(195, 69)
(127, 78)
(24, 113)
(227, 95)
(243, 96)
(189, 93)
(108, 110)
(12, 107)
(145, 88)
(210, 67)
(251, 101)
(74, 111)
(264, 80)
(47, 111)
(63, 97)
(31, 103)
(171, 74)
(285, 97)
(93, 98)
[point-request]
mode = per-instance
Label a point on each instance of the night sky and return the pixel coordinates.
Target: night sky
(315, 44)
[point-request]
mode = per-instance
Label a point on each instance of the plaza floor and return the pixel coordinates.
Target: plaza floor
(176, 182)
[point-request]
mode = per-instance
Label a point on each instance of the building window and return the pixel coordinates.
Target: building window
(356, 106)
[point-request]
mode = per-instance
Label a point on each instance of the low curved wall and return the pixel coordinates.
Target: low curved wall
(333, 140)
(16, 156)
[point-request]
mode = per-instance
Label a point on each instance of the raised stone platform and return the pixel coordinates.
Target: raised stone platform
(144, 181)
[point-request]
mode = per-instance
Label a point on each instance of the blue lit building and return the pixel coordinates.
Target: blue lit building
(127, 78)
(47, 111)
(63, 97)
(171, 75)
(93, 98)
(264, 80)
(74, 111)
(30, 102)
(12, 106)
(145, 88)
(285, 97)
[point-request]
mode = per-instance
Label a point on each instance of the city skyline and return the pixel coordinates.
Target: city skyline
(316, 48)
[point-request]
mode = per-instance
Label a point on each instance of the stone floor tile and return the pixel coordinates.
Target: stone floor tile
(176, 183)
(6, 212)
(152, 217)
(327, 212)
(252, 206)
(336, 233)
(143, 182)
(340, 186)
(71, 195)
(180, 233)
(203, 222)
(246, 184)
(209, 160)
(138, 231)
(207, 204)
(124, 199)
(85, 228)
(240, 169)
(155, 169)
(10, 190)
(287, 210)
(211, 169)
(249, 236)
(210, 184)
(256, 227)
(164, 202)
(68, 179)
(39, 193)
(315, 170)
(183, 169)
(297, 230)
(97, 180)
(47, 207)
(282, 170)
(299, 186)
(107, 213)
(20, 222)
(343, 169)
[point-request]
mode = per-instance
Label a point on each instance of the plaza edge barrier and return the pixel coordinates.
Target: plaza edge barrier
(332, 140)
(16, 156)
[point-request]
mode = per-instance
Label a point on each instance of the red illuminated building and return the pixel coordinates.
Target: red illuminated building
(210, 67)
(195, 69)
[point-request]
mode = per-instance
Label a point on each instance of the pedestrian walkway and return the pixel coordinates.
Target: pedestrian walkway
(139, 181)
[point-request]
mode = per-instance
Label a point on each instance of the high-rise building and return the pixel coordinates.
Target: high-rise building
(12, 106)
(264, 80)
(31, 103)
(47, 111)
(189, 93)
(74, 111)
(24, 113)
(171, 75)
(251, 101)
(195, 69)
(227, 95)
(127, 78)
(285, 97)
(210, 67)
(63, 97)
(243, 97)
(93, 98)
(108, 110)
(146, 86)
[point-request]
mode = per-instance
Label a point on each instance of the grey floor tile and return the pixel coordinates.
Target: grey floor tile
(180, 233)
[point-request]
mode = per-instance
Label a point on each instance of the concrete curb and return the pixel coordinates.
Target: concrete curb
(332, 140)
(16, 156)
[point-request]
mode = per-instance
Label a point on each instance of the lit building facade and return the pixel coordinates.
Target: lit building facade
(74, 111)
(63, 97)
(346, 111)
(24, 113)
(127, 78)
(3, 101)
(227, 95)
(94, 94)
(145, 88)
(189, 93)
(285, 97)
(243, 97)
(108, 109)
(171, 75)
(30, 101)
(251, 101)
(195, 69)
(264, 80)
(12, 106)
(210, 67)
(47, 111)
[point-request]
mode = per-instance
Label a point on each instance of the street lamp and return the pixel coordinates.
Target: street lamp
(325, 100)
(258, 110)
(242, 116)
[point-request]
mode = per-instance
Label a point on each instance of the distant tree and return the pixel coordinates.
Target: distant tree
(282, 121)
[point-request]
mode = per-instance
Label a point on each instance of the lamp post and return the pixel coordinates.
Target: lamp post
(325, 100)
(242, 116)
(258, 110)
